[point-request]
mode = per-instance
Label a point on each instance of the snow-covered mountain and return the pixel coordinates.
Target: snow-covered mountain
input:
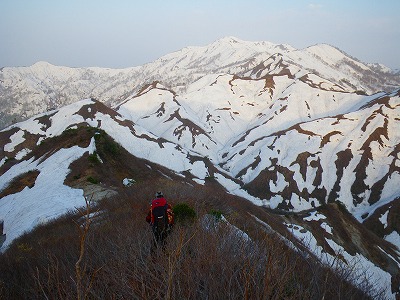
(291, 130)
(27, 91)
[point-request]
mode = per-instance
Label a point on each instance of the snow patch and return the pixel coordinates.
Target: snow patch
(235, 189)
(48, 199)
(394, 238)
(327, 227)
(16, 139)
(21, 154)
(383, 219)
(315, 216)
(199, 181)
(3, 161)
(128, 181)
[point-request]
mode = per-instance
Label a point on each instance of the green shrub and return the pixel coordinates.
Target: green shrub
(111, 147)
(183, 213)
(105, 144)
(93, 157)
(8, 159)
(362, 93)
(217, 214)
(93, 180)
(209, 177)
(70, 131)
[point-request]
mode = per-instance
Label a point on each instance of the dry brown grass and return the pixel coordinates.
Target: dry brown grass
(19, 183)
(198, 262)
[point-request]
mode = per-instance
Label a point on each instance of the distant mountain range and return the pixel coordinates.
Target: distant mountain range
(291, 130)
(26, 91)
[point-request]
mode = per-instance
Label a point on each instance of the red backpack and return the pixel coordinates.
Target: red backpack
(159, 217)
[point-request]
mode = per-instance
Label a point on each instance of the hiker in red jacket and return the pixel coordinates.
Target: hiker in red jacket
(160, 217)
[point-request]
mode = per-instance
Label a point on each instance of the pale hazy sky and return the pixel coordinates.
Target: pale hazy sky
(127, 33)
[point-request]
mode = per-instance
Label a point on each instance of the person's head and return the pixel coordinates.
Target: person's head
(159, 195)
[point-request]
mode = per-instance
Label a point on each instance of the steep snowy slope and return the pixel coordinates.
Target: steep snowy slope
(287, 141)
(226, 110)
(352, 157)
(132, 137)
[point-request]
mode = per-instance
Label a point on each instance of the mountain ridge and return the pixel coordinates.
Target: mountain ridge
(26, 91)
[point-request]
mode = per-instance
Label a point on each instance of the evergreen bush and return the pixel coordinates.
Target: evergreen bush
(93, 180)
(184, 213)
(217, 214)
